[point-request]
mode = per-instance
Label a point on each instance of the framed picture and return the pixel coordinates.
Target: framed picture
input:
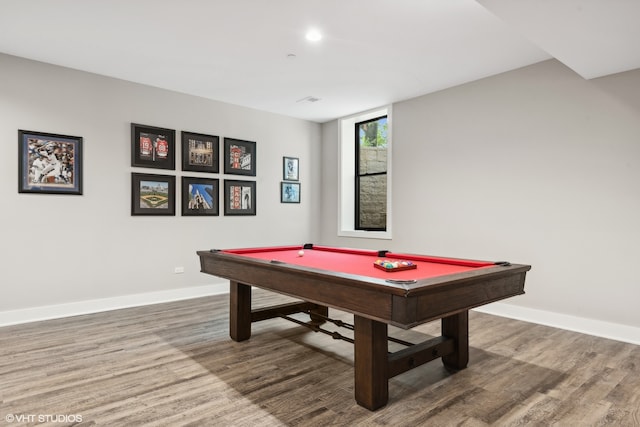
(152, 147)
(200, 152)
(289, 192)
(239, 197)
(200, 196)
(49, 163)
(290, 169)
(153, 194)
(239, 157)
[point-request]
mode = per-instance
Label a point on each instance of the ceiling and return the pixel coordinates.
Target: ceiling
(253, 53)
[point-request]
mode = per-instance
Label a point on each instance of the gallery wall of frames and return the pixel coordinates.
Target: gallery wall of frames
(155, 193)
(52, 164)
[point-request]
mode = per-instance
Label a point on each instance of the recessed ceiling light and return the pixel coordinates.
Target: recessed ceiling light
(313, 35)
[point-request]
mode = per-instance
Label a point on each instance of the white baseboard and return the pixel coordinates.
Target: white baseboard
(599, 328)
(48, 312)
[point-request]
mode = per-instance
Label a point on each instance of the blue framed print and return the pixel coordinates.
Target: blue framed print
(289, 192)
(200, 196)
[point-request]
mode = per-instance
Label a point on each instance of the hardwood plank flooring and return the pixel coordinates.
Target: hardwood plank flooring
(173, 364)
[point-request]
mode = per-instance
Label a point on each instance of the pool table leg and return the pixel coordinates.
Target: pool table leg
(457, 327)
(371, 363)
(323, 313)
(239, 311)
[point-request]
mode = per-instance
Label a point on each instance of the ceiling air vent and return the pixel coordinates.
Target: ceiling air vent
(309, 99)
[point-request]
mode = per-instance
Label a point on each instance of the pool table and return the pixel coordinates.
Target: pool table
(350, 280)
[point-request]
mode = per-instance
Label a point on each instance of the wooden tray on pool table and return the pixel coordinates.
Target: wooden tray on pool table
(400, 267)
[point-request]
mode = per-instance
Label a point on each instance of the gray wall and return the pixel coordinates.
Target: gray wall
(66, 249)
(534, 166)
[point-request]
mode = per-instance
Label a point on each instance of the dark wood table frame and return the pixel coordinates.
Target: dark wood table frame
(374, 303)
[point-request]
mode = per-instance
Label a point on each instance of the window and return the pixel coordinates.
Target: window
(371, 174)
(365, 175)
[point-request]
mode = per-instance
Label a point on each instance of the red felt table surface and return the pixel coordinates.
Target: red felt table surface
(360, 261)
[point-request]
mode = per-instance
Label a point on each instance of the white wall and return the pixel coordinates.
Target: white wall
(73, 249)
(535, 166)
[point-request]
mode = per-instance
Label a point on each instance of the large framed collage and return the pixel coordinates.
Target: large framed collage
(49, 163)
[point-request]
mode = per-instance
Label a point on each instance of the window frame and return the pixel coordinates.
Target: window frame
(358, 175)
(346, 175)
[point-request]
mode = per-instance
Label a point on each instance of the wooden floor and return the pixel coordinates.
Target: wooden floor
(174, 364)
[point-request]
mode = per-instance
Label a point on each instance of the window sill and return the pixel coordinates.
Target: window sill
(365, 234)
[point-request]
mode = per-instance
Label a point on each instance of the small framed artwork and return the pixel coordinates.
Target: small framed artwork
(200, 196)
(290, 169)
(49, 163)
(200, 152)
(239, 157)
(153, 194)
(289, 192)
(239, 197)
(152, 147)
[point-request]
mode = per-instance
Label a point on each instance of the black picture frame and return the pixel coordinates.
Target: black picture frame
(289, 192)
(153, 194)
(239, 157)
(290, 168)
(153, 147)
(200, 152)
(239, 197)
(49, 163)
(200, 196)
